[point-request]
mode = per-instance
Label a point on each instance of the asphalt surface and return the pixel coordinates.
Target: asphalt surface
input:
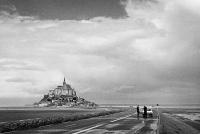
(119, 123)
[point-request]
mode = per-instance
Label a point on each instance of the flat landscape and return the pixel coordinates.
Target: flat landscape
(171, 121)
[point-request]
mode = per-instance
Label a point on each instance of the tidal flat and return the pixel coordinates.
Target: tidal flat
(180, 120)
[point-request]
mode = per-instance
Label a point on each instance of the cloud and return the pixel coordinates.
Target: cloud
(14, 64)
(18, 80)
(192, 5)
(66, 10)
(149, 57)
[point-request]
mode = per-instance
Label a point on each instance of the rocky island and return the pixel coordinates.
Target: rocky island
(64, 96)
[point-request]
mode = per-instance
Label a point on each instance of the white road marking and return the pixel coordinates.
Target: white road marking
(84, 130)
(121, 118)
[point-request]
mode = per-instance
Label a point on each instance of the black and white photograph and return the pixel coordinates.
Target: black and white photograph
(100, 66)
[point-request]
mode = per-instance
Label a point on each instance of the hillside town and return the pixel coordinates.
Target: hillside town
(64, 96)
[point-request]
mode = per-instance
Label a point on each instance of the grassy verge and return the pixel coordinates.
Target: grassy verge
(34, 123)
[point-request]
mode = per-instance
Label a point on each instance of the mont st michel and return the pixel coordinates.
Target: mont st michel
(65, 96)
(100, 66)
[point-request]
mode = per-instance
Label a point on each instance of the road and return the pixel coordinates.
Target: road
(119, 123)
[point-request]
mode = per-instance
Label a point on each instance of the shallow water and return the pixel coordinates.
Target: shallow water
(190, 116)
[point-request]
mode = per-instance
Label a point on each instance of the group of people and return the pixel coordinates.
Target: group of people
(145, 111)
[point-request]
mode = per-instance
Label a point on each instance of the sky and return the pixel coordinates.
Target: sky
(110, 51)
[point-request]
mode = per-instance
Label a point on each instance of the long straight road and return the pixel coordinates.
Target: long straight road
(119, 123)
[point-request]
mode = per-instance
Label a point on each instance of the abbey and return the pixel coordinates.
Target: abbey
(63, 91)
(65, 96)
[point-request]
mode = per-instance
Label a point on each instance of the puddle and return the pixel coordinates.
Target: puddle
(111, 125)
(154, 125)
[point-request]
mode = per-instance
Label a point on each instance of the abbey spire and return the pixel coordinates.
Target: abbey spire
(64, 83)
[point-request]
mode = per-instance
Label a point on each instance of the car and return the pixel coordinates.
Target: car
(149, 111)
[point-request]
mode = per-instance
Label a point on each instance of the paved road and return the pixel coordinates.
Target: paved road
(119, 123)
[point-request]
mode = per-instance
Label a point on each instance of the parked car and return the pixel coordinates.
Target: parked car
(149, 111)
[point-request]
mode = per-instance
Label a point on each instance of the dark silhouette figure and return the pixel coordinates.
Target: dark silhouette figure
(145, 112)
(138, 110)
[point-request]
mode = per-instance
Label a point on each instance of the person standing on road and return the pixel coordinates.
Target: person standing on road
(138, 110)
(145, 112)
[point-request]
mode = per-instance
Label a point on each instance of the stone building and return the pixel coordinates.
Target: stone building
(63, 95)
(65, 92)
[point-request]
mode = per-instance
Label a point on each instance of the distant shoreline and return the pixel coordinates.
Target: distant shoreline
(153, 105)
(100, 106)
(46, 108)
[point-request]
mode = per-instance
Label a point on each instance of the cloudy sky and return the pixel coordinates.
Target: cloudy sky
(110, 51)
